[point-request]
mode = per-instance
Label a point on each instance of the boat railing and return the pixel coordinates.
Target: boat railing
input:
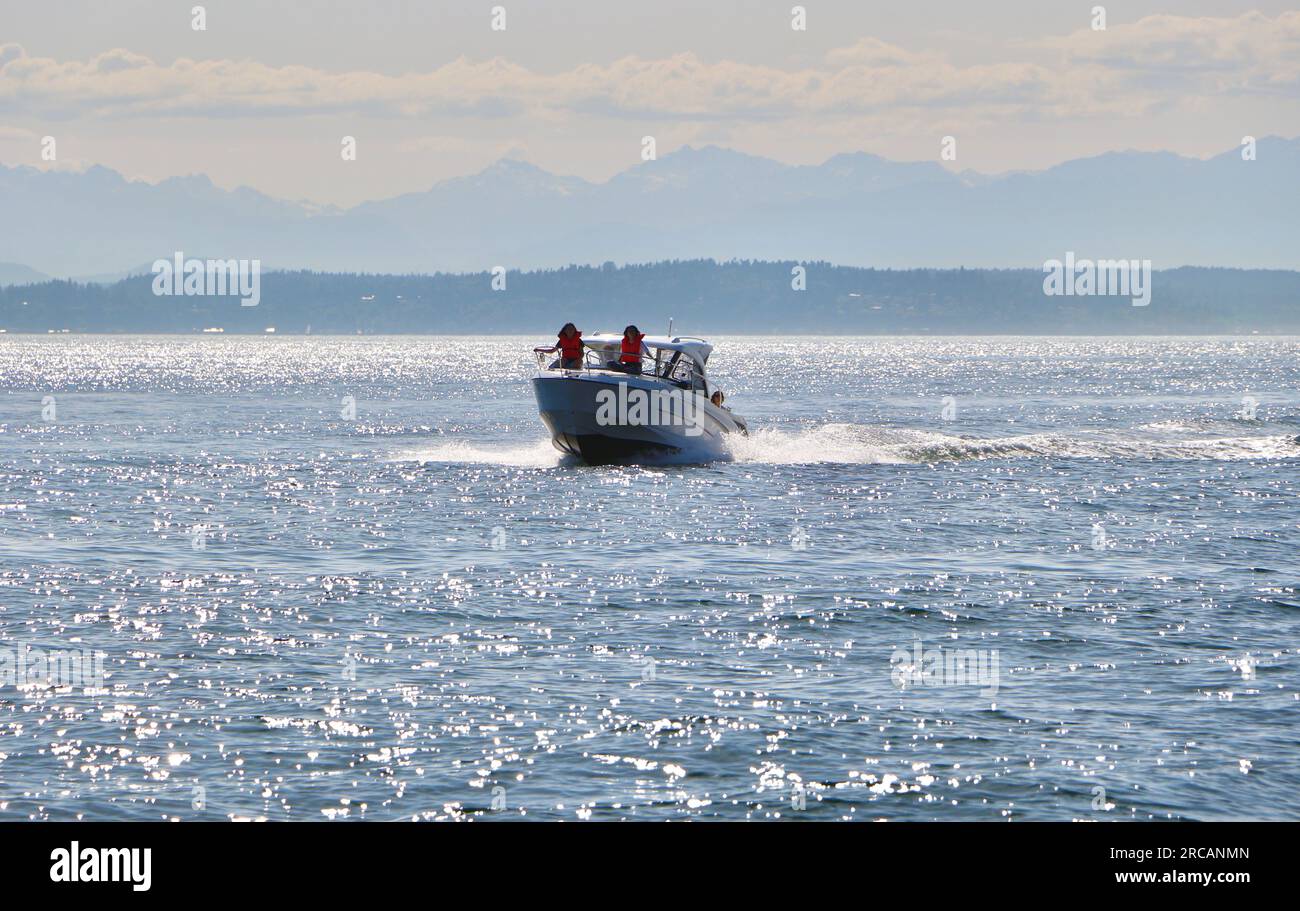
(596, 360)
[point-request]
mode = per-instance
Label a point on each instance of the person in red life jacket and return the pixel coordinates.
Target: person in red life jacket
(570, 347)
(633, 348)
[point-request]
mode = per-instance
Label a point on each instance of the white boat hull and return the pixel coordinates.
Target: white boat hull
(576, 408)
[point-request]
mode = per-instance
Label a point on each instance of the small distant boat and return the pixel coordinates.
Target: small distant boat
(214, 329)
(608, 412)
(270, 330)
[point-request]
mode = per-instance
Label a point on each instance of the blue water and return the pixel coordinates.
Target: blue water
(426, 613)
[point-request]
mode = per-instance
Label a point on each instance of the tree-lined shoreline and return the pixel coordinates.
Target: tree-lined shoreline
(703, 296)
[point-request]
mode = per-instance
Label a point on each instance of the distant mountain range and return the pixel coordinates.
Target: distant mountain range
(854, 209)
(15, 274)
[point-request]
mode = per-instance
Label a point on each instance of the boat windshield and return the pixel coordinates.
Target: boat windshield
(680, 369)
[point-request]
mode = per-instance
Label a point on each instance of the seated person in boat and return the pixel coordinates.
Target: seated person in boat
(570, 347)
(629, 361)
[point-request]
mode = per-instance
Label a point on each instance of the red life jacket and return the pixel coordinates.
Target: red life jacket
(571, 347)
(631, 350)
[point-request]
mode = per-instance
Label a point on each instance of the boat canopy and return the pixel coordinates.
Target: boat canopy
(695, 348)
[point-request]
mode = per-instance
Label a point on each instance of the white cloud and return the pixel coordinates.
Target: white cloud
(1110, 73)
(1251, 52)
(876, 53)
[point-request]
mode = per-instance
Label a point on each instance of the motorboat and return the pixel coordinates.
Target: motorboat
(660, 408)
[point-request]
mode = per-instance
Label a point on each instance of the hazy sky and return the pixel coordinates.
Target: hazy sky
(264, 95)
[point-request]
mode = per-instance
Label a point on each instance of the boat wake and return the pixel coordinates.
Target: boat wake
(539, 454)
(863, 444)
(859, 444)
